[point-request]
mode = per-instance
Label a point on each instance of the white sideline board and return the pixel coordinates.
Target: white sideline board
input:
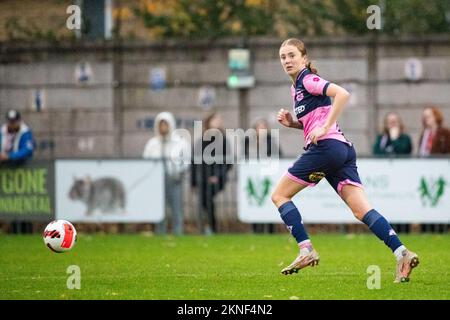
(403, 190)
(139, 183)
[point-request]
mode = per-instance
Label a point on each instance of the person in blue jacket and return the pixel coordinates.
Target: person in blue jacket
(16, 139)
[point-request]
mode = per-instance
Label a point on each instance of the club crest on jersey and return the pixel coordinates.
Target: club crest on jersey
(299, 95)
(299, 109)
(316, 176)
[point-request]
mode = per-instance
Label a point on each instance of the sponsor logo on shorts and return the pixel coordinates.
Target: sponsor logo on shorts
(316, 176)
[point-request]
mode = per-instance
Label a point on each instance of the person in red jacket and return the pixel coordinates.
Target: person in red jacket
(435, 138)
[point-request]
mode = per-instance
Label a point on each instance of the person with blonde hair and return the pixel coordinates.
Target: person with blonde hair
(393, 140)
(330, 155)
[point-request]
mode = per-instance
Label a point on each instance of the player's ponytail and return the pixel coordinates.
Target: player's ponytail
(301, 47)
(311, 67)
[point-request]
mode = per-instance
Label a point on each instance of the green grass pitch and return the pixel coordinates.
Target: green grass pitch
(218, 267)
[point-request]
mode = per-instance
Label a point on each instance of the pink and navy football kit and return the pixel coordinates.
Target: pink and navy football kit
(334, 157)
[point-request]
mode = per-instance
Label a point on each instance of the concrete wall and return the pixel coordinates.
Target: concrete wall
(79, 120)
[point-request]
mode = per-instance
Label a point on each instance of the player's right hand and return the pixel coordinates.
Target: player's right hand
(285, 118)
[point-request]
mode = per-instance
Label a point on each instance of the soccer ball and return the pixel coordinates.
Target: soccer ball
(60, 236)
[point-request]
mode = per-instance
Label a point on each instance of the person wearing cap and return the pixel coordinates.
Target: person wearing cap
(16, 139)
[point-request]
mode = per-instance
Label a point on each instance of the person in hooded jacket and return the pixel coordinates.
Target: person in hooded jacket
(170, 147)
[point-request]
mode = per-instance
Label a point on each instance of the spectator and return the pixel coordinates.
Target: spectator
(262, 132)
(16, 146)
(169, 146)
(210, 178)
(393, 140)
(435, 138)
(16, 139)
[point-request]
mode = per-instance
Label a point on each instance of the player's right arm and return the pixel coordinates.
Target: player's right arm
(285, 118)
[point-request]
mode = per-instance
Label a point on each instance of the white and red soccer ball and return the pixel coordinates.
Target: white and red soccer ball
(60, 236)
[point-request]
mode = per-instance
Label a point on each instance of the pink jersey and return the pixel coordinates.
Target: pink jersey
(312, 106)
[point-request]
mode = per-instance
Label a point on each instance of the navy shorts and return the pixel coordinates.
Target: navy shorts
(331, 159)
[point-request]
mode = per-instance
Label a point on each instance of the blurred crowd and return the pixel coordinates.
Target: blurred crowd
(209, 179)
(434, 139)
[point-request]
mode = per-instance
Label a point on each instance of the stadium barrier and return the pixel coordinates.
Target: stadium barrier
(27, 191)
(130, 195)
(404, 190)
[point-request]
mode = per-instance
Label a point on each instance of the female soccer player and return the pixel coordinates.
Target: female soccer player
(328, 155)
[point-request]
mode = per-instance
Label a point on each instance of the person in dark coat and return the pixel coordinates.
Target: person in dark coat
(209, 175)
(261, 127)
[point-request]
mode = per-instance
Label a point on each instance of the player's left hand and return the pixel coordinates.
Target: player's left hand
(316, 133)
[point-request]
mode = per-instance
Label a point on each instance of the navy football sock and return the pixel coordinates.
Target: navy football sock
(293, 220)
(382, 229)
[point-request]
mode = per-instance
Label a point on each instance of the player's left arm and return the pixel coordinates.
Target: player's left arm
(340, 97)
